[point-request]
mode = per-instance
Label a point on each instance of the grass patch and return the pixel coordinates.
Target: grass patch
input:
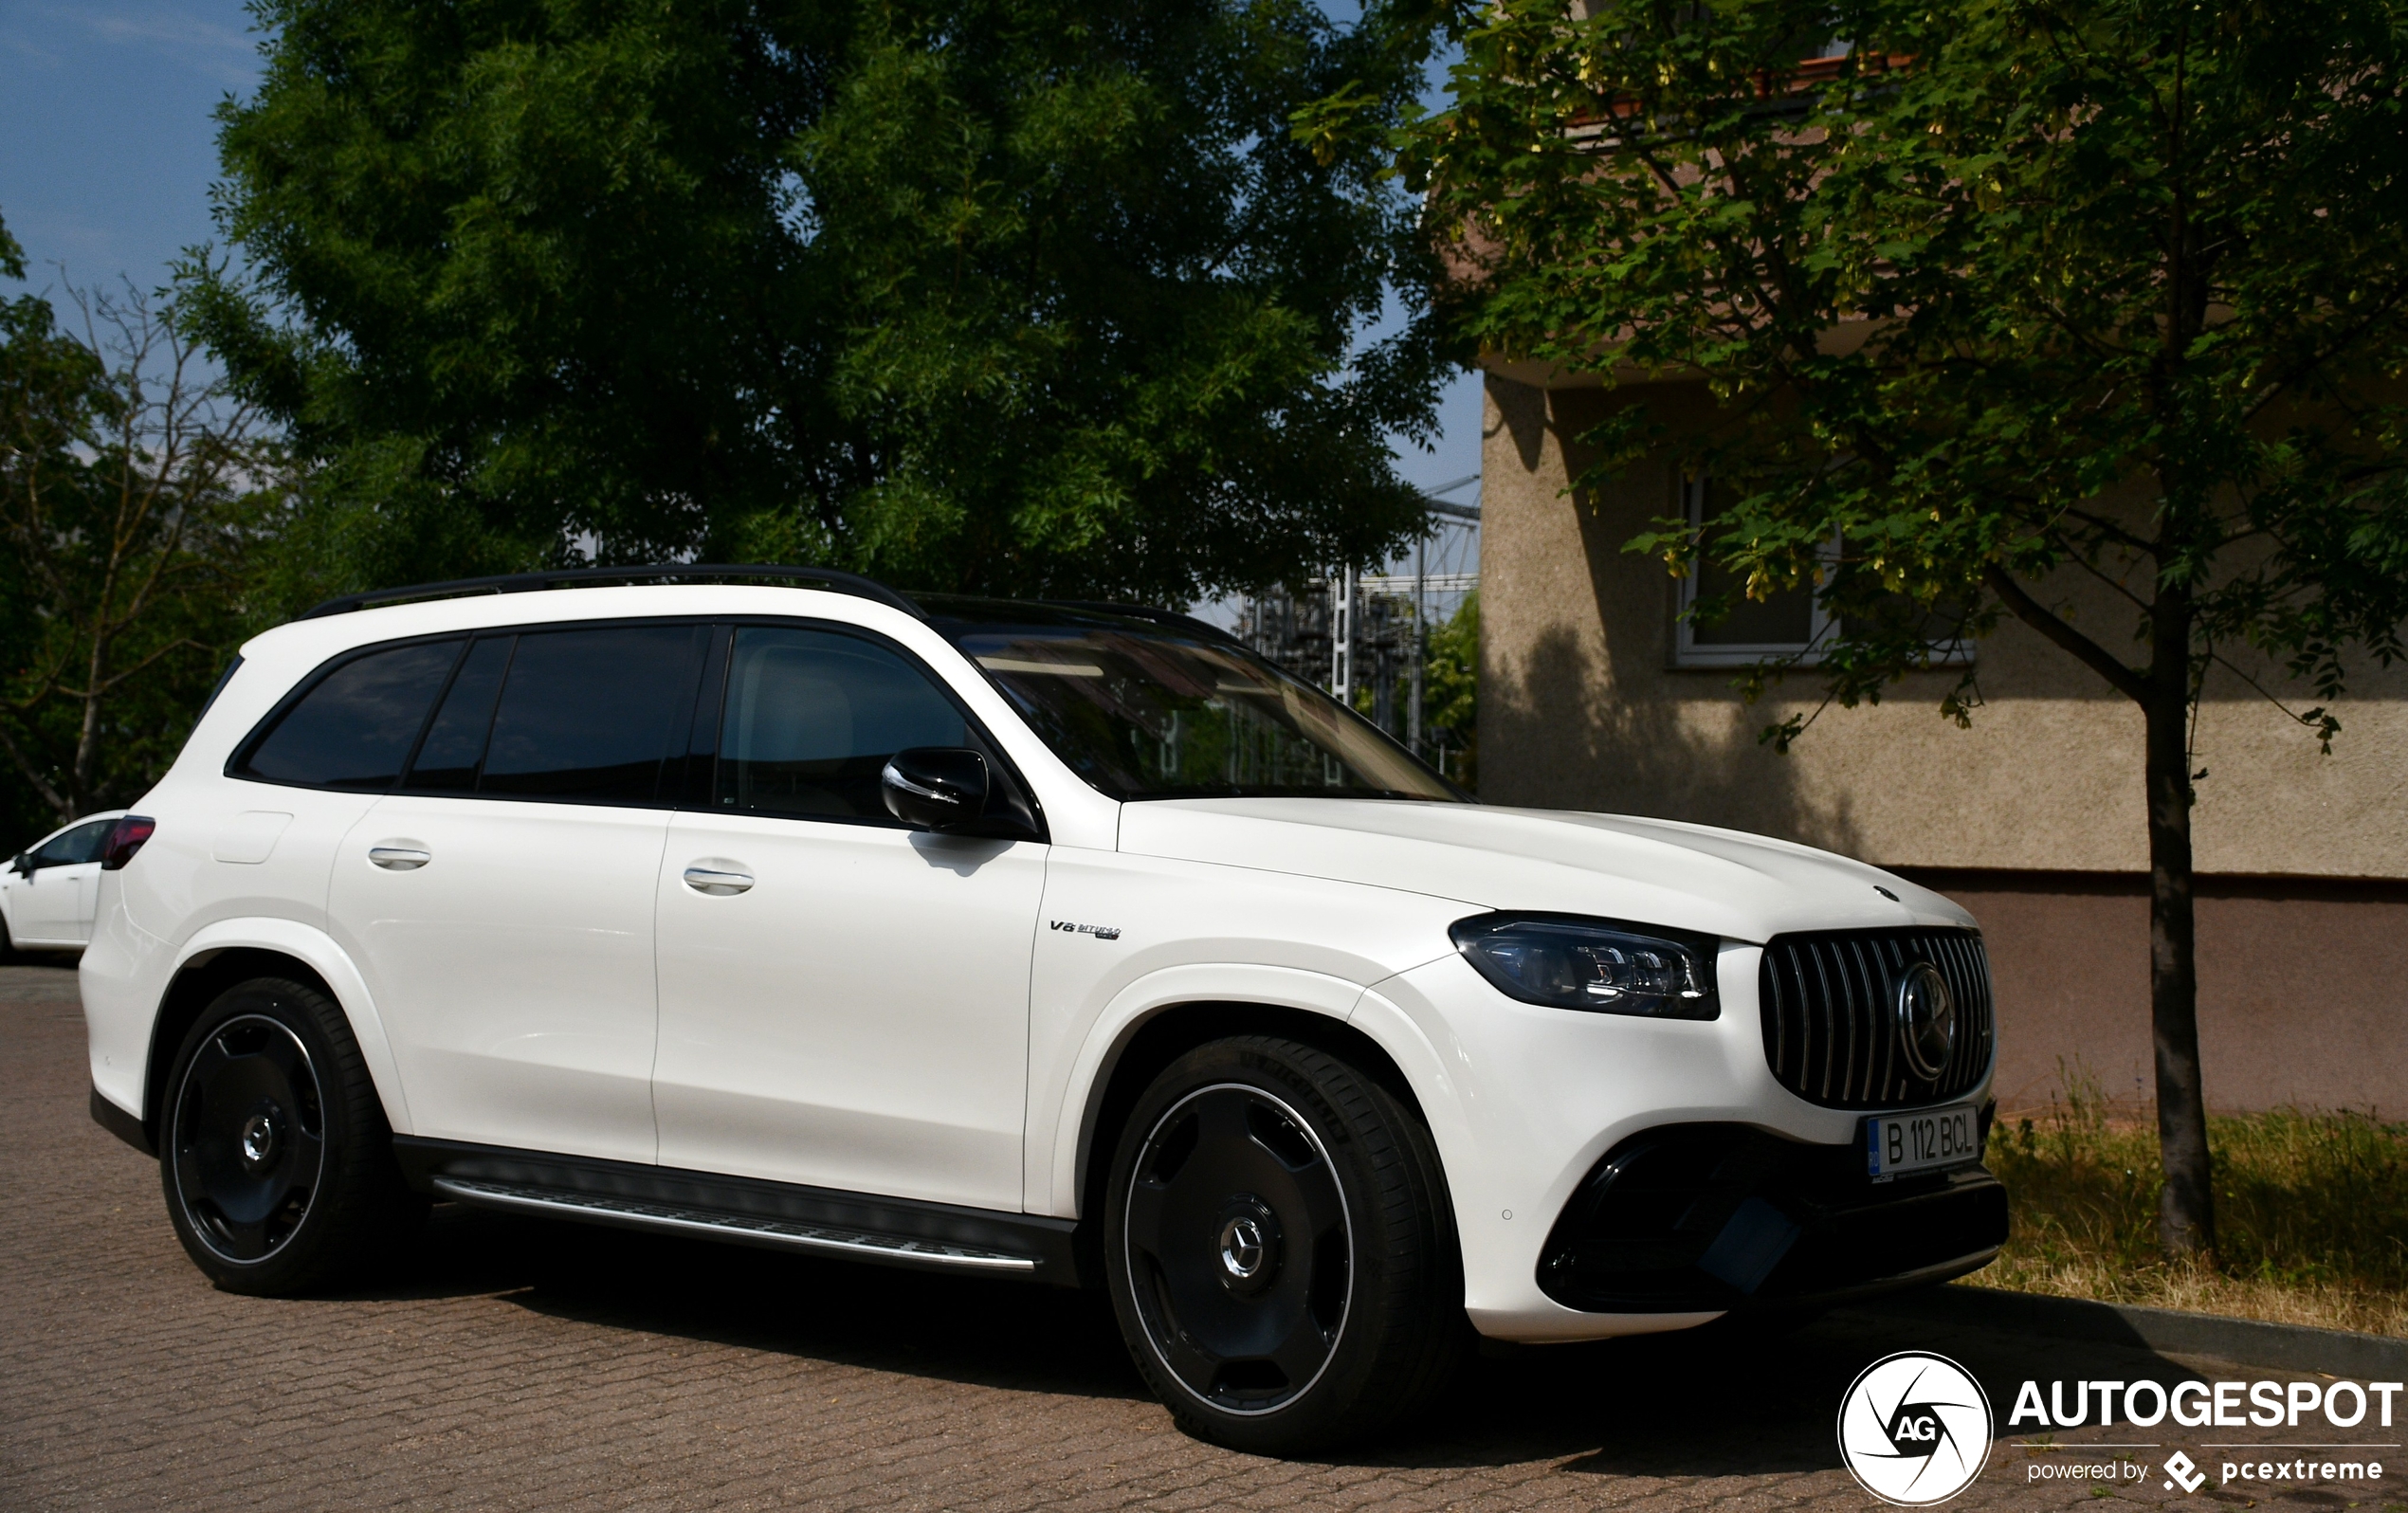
(2311, 1213)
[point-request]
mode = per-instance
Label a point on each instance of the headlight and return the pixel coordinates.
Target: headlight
(1599, 965)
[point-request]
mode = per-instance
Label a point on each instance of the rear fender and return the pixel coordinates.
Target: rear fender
(315, 949)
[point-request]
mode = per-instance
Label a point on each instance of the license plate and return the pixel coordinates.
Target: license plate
(1919, 1141)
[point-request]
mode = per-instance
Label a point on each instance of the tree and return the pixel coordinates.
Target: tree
(2129, 279)
(131, 491)
(1452, 672)
(1027, 296)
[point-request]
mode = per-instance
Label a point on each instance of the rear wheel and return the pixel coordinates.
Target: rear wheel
(1280, 1251)
(274, 1153)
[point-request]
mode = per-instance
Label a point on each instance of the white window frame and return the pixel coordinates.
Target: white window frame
(1687, 653)
(1808, 653)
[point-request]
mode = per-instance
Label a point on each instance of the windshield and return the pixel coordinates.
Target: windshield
(1159, 711)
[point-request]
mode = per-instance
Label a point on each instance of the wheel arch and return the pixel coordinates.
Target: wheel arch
(235, 951)
(1151, 1041)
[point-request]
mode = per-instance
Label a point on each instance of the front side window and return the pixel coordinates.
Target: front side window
(811, 719)
(1152, 711)
(354, 728)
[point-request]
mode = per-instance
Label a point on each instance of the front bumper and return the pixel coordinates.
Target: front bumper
(1527, 1102)
(1719, 1217)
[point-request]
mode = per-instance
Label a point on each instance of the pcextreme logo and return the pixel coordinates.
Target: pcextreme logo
(1914, 1428)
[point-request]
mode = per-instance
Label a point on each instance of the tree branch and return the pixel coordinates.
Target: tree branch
(2127, 682)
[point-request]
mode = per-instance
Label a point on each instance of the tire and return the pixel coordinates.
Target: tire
(274, 1152)
(1279, 1249)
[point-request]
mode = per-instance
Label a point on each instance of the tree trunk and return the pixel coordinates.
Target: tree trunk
(2186, 1211)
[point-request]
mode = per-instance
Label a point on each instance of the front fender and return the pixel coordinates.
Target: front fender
(1058, 1151)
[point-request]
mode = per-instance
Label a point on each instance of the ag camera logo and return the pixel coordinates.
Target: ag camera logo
(1914, 1428)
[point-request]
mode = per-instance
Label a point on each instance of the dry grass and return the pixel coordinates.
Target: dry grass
(2311, 1212)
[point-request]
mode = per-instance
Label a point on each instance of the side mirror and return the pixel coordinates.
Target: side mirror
(934, 788)
(22, 864)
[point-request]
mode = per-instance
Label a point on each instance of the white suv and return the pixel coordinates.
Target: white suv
(1068, 943)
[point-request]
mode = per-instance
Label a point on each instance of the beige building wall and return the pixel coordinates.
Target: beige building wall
(2034, 815)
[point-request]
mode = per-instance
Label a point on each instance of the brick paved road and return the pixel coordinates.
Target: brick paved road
(518, 1364)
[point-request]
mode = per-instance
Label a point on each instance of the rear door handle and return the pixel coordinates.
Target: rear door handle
(717, 884)
(399, 858)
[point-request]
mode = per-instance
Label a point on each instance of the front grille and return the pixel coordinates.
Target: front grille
(1829, 1004)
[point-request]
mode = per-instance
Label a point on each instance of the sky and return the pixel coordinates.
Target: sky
(107, 150)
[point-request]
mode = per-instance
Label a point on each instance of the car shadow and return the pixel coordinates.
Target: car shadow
(974, 1330)
(1700, 1403)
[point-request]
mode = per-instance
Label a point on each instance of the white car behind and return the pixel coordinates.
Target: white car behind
(50, 888)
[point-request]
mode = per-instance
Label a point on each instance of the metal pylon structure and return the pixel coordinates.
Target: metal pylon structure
(1365, 636)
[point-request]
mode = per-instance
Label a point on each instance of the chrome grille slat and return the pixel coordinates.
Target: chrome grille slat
(1827, 1036)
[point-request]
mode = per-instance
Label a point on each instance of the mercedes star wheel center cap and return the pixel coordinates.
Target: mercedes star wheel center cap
(259, 1139)
(1242, 1247)
(1249, 1245)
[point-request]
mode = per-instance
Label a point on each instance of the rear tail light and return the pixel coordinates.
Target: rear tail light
(127, 839)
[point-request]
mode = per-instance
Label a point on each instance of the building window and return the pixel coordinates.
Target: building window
(1790, 625)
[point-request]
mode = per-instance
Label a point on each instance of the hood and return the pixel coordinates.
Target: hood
(1692, 877)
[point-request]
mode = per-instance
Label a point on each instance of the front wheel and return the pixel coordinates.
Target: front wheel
(1279, 1249)
(274, 1151)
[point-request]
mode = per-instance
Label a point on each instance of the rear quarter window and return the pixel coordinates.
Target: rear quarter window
(353, 727)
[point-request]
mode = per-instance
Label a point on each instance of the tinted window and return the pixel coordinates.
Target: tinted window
(83, 843)
(447, 761)
(354, 727)
(586, 714)
(811, 719)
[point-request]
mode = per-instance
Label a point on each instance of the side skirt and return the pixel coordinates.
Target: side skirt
(854, 1226)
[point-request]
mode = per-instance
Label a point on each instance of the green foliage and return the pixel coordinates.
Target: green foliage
(1450, 679)
(2135, 245)
(1999, 299)
(131, 499)
(2313, 1212)
(1013, 296)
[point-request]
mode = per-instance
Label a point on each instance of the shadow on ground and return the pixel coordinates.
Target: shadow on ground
(1700, 1403)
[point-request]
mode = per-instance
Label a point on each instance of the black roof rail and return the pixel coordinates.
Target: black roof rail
(1146, 612)
(655, 573)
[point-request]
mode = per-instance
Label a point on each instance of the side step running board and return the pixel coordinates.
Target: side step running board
(756, 1229)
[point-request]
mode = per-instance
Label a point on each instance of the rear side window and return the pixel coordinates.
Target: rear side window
(812, 717)
(586, 716)
(352, 729)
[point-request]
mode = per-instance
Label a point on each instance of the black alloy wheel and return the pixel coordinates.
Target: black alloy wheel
(274, 1151)
(248, 1142)
(1248, 1319)
(1279, 1248)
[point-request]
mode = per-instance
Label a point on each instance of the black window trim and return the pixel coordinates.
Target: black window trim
(466, 636)
(702, 793)
(696, 792)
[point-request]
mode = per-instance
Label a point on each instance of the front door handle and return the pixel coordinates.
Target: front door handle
(717, 883)
(399, 858)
